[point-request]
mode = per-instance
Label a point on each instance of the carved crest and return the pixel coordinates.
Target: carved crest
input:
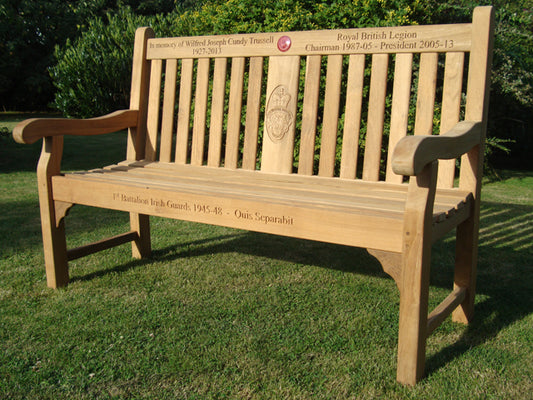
(278, 117)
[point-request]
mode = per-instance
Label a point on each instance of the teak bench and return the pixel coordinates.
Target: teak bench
(275, 147)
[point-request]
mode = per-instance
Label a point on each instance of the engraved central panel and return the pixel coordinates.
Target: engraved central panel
(278, 117)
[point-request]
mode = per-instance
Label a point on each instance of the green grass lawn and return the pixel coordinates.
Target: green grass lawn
(220, 313)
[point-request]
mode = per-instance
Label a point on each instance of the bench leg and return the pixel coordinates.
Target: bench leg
(414, 286)
(54, 241)
(412, 333)
(55, 248)
(465, 268)
(142, 246)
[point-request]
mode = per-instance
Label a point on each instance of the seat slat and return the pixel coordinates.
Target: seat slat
(152, 124)
(184, 111)
(291, 181)
(352, 116)
(390, 202)
(451, 107)
(169, 100)
(355, 202)
(376, 117)
(200, 112)
(234, 113)
(217, 112)
(445, 197)
(253, 108)
(309, 115)
(401, 94)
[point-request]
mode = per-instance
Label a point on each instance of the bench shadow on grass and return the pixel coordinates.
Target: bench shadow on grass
(504, 278)
(504, 268)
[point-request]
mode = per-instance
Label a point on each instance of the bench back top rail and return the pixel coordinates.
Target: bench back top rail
(293, 102)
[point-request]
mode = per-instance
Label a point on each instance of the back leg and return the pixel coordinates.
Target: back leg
(466, 267)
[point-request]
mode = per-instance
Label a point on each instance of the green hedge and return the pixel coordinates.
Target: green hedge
(92, 75)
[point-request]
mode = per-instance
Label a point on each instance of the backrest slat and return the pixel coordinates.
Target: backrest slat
(234, 112)
(253, 108)
(200, 112)
(309, 115)
(280, 114)
(184, 111)
(451, 108)
(152, 123)
(425, 101)
(401, 94)
(352, 116)
(328, 141)
(217, 112)
(277, 101)
(376, 116)
(169, 101)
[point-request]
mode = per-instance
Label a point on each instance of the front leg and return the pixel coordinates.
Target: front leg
(416, 260)
(54, 241)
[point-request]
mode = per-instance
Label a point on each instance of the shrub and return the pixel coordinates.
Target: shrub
(93, 73)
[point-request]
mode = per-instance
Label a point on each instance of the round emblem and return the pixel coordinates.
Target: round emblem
(284, 43)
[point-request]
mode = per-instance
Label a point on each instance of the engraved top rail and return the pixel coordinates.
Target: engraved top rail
(406, 39)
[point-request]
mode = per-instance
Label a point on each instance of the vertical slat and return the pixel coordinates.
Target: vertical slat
(217, 112)
(352, 116)
(309, 115)
(280, 115)
(253, 107)
(376, 117)
(401, 94)
(234, 112)
(169, 100)
(200, 112)
(152, 124)
(138, 97)
(184, 111)
(425, 101)
(328, 141)
(451, 107)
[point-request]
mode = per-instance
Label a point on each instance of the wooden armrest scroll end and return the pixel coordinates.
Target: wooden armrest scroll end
(412, 153)
(31, 130)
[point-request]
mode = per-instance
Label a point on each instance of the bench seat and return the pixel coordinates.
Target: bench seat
(344, 211)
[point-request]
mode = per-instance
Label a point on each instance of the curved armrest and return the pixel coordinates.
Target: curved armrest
(31, 130)
(412, 153)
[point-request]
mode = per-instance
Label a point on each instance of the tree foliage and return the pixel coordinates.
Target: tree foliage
(31, 29)
(511, 102)
(93, 73)
(94, 43)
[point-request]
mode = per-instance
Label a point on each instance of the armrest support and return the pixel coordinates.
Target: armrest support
(413, 153)
(31, 130)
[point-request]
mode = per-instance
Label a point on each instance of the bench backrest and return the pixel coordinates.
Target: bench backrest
(293, 102)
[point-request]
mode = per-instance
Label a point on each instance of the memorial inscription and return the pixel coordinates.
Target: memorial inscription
(191, 208)
(346, 41)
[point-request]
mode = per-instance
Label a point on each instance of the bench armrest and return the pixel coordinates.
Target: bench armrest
(412, 153)
(31, 130)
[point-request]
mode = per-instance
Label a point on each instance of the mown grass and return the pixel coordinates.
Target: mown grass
(220, 313)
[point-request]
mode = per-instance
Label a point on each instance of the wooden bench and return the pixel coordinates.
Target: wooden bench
(274, 148)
